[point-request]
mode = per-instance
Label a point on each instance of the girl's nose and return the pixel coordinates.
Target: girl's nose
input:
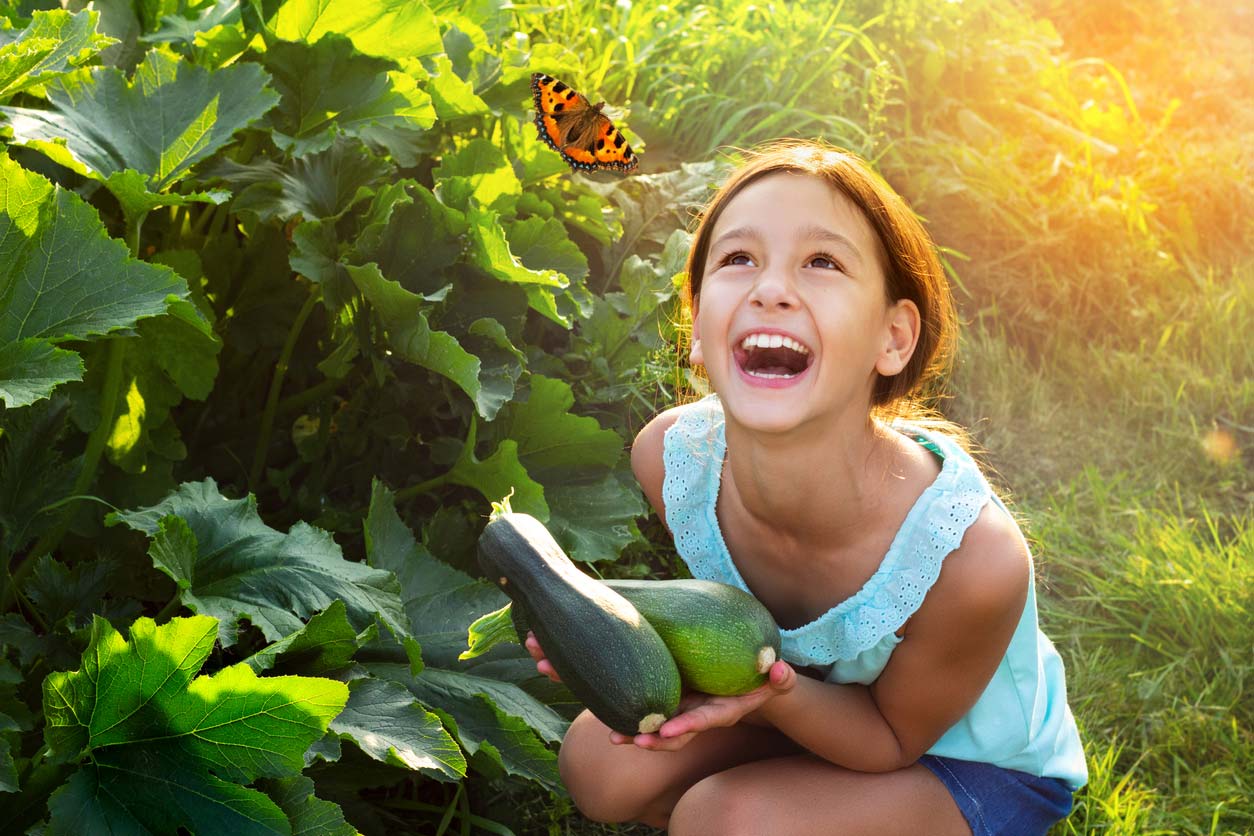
(773, 289)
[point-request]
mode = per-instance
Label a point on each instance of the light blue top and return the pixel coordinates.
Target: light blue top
(1021, 721)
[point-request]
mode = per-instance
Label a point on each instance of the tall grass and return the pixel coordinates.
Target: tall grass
(1087, 166)
(1154, 610)
(1172, 407)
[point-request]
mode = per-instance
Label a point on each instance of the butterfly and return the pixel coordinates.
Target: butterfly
(577, 130)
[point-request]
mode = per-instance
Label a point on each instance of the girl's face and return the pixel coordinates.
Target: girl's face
(792, 321)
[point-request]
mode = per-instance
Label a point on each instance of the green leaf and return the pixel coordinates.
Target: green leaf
(61, 276)
(495, 719)
(230, 564)
(58, 591)
(591, 509)
(165, 751)
(170, 117)
(414, 238)
(498, 474)
(551, 438)
(309, 815)
(30, 369)
(500, 364)
(439, 600)
(185, 347)
(412, 337)
(489, 630)
(490, 252)
(388, 724)
(595, 519)
(8, 769)
(171, 352)
(54, 43)
(134, 195)
(543, 244)
(387, 28)
(33, 472)
(483, 163)
(322, 185)
(322, 647)
(452, 97)
(327, 89)
(175, 28)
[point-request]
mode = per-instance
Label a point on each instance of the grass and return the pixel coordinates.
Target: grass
(1089, 166)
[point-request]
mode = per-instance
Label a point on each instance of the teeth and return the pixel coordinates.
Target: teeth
(773, 341)
(769, 376)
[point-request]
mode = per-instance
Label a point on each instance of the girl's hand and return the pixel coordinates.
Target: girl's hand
(701, 712)
(543, 665)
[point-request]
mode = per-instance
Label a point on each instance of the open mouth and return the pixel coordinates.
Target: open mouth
(772, 356)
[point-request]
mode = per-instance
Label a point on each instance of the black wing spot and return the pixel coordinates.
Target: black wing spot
(558, 107)
(560, 87)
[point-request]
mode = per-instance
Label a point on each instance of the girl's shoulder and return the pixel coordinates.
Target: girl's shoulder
(648, 449)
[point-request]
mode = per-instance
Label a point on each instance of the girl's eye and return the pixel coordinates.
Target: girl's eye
(825, 262)
(738, 259)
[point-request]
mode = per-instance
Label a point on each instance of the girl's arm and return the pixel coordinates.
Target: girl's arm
(951, 649)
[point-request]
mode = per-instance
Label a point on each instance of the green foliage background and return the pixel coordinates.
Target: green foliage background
(289, 291)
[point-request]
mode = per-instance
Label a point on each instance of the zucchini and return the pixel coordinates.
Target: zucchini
(722, 639)
(606, 653)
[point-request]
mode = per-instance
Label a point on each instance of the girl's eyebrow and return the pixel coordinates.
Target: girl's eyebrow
(810, 232)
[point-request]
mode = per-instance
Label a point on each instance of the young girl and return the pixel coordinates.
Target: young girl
(918, 695)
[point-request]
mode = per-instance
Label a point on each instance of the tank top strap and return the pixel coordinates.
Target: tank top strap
(692, 455)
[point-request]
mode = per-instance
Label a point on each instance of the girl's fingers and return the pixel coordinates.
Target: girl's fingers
(533, 646)
(543, 665)
(657, 743)
(782, 677)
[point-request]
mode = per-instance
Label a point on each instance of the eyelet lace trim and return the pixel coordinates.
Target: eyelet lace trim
(693, 458)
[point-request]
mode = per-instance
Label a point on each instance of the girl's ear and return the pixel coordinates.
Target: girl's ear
(695, 357)
(901, 336)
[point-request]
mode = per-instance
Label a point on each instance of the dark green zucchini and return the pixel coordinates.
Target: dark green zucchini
(722, 639)
(606, 653)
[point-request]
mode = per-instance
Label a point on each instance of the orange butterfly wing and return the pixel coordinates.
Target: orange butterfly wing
(572, 127)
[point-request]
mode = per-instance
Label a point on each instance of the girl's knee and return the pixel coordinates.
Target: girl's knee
(721, 806)
(593, 773)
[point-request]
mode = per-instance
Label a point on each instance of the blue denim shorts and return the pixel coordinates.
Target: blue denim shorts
(1002, 802)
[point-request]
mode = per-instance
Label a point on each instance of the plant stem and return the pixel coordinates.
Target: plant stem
(451, 811)
(86, 474)
(168, 611)
(422, 487)
(276, 386)
(476, 821)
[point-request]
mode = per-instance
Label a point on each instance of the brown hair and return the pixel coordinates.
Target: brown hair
(912, 268)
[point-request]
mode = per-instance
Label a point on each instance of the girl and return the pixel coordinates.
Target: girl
(918, 695)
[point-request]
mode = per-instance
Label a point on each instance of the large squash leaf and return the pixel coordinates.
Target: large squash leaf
(62, 278)
(389, 725)
(229, 564)
(439, 600)
(328, 88)
(382, 718)
(141, 137)
(494, 720)
(387, 28)
(55, 42)
(164, 751)
(591, 509)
